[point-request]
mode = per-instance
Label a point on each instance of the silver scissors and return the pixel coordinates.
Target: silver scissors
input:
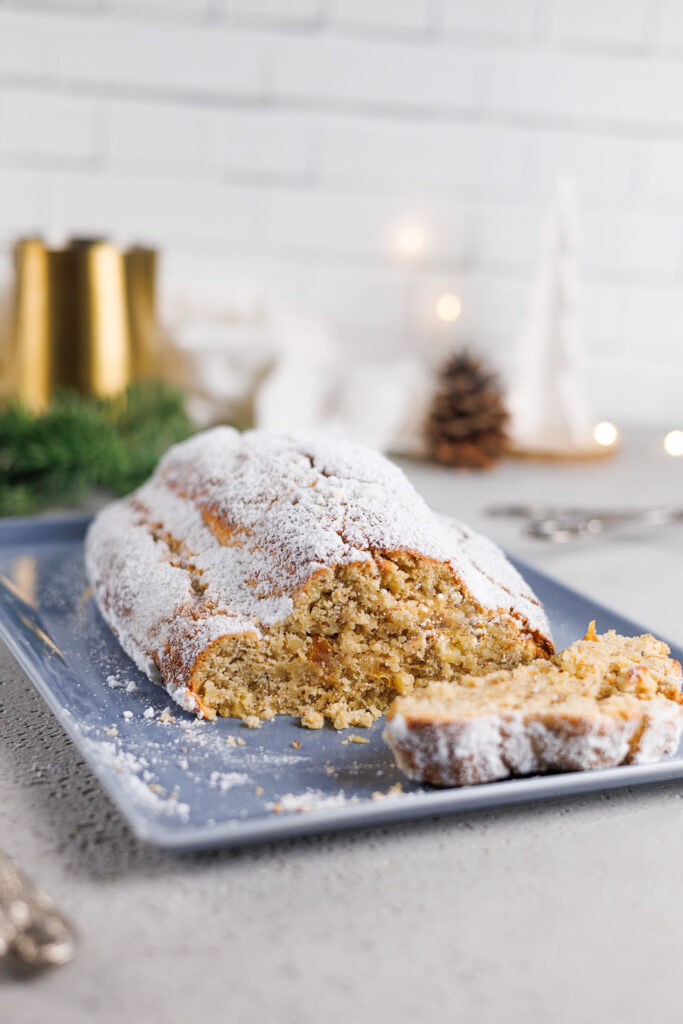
(561, 523)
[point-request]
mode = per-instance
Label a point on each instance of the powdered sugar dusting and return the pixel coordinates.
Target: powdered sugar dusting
(135, 776)
(284, 507)
(226, 780)
(604, 701)
(485, 749)
(310, 800)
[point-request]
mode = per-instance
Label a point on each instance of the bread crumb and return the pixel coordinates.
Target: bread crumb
(394, 790)
(235, 741)
(312, 719)
(277, 808)
(296, 744)
(166, 717)
(253, 722)
(258, 791)
(354, 739)
(330, 770)
(111, 730)
(157, 789)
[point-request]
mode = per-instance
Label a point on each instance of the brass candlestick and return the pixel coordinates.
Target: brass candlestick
(31, 361)
(84, 318)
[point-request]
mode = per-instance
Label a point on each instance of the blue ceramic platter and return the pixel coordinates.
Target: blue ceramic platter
(187, 785)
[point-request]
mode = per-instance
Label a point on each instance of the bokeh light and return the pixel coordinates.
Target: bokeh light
(673, 442)
(449, 307)
(605, 434)
(410, 238)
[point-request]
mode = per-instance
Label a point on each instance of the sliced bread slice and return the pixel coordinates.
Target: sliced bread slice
(604, 701)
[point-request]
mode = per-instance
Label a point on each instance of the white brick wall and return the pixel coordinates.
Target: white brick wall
(59, 129)
(511, 21)
(610, 24)
(388, 17)
(274, 149)
(163, 140)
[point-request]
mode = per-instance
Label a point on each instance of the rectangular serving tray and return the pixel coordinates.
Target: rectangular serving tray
(187, 784)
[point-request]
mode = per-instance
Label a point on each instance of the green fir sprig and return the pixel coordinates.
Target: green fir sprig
(81, 443)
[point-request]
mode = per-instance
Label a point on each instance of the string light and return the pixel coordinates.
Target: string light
(605, 434)
(673, 442)
(448, 308)
(410, 239)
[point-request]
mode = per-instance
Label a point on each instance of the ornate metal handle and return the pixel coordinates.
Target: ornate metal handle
(30, 925)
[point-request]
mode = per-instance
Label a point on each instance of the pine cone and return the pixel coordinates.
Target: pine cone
(466, 424)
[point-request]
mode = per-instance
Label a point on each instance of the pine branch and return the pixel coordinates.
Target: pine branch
(81, 443)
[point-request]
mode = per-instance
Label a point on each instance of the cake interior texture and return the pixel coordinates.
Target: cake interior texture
(610, 674)
(358, 636)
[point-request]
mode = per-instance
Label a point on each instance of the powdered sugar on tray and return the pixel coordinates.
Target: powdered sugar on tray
(137, 778)
(202, 761)
(226, 780)
(316, 800)
(311, 800)
(168, 770)
(129, 685)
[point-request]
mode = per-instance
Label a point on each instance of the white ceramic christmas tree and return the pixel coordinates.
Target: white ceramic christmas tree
(548, 412)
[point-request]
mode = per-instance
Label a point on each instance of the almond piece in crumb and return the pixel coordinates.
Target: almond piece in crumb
(312, 719)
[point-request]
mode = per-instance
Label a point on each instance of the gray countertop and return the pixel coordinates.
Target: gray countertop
(556, 912)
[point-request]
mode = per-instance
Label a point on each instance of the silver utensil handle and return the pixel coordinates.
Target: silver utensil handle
(31, 927)
(660, 515)
(561, 524)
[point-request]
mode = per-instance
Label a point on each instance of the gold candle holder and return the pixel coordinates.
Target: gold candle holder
(31, 362)
(84, 318)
